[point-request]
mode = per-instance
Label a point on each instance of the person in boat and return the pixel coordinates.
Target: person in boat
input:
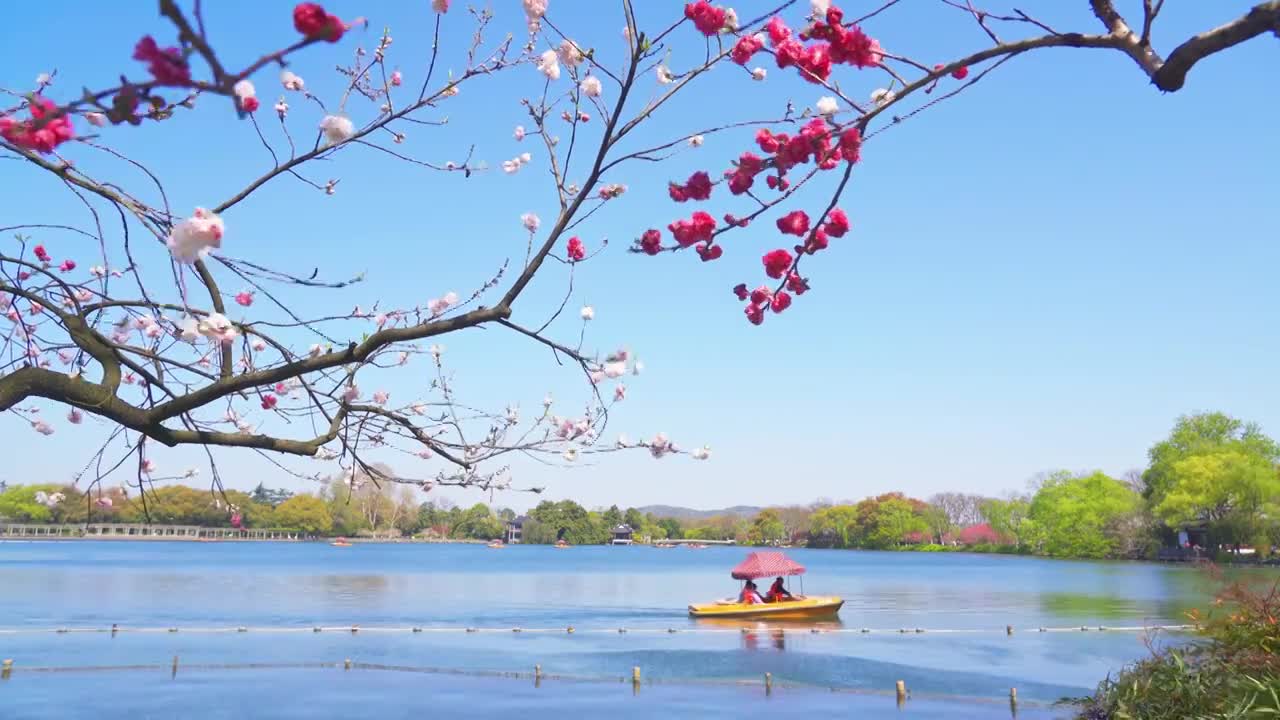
(778, 592)
(750, 595)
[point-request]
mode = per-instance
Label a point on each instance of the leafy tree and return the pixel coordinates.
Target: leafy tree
(305, 513)
(267, 496)
(19, 503)
(1071, 515)
(938, 522)
(478, 523)
(891, 521)
(613, 516)
(767, 528)
(833, 526)
(1007, 518)
(671, 528)
(633, 517)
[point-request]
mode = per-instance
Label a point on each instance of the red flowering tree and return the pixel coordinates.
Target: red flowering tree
(127, 317)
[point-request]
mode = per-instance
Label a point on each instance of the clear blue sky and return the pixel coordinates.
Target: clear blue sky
(1044, 271)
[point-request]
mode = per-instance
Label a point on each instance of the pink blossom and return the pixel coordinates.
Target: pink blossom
(244, 298)
(396, 78)
(591, 86)
(259, 345)
(439, 305)
(351, 393)
(519, 133)
(148, 466)
(75, 417)
(530, 222)
(440, 6)
(615, 369)
(96, 119)
(42, 427)
(619, 393)
(67, 265)
(193, 238)
(381, 397)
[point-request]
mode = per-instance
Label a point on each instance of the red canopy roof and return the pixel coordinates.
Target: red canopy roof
(766, 564)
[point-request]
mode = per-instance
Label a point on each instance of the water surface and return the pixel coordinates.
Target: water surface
(597, 590)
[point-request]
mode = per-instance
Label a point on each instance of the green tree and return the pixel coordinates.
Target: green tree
(671, 528)
(478, 523)
(633, 517)
(613, 516)
(1233, 490)
(305, 513)
(1202, 434)
(767, 528)
(19, 503)
(938, 521)
(1071, 516)
(264, 495)
(1008, 518)
(833, 526)
(891, 522)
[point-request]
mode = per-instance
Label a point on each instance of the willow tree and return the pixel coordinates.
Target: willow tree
(155, 316)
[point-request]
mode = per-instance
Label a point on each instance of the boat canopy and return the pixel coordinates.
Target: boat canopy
(766, 564)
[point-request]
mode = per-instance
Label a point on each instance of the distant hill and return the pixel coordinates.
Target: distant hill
(684, 513)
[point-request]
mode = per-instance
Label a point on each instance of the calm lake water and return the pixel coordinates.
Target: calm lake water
(699, 671)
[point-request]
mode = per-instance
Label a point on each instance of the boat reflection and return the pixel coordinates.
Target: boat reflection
(772, 634)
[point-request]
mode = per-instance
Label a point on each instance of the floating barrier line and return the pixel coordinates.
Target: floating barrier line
(800, 630)
(769, 684)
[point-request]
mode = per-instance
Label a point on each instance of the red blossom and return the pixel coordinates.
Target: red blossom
(312, 21)
(767, 141)
(740, 290)
(745, 48)
(761, 295)
(781, 301)
(776, 263)
(816, 63)
(249, 104)
(709, 252)
(817, 241)
(837, 223)
(45, 130)
(706, 18)
(960, 73)
(651, 241)
(269, 401)
(778, 31)
(41, 254)
(67, 265)
(697, 187)
(851, 145)
(788, 53)
(575, 249)
(166, 65)
(795, 223)
(244, 299)
(797, 284)
(698, 228)
(755, 314)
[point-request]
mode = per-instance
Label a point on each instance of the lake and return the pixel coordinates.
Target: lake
(961, 667)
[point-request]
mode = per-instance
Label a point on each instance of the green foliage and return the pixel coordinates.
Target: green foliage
(569, 521)
(477, 523)
(304, 513)
(1008, 518)
(1070, 515)
(767, 528)
(834, 526)
(1234, 673)
(18, 503)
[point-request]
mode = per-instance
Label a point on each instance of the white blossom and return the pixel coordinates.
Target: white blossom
(695, 141)
(569, 53)
(337, 128)
(530, 222)
(96, 119)
(730, 20)
(571, 454)
(664, 75)
(818, 9)
(701, 453)
(549, 64)
(244, 89)
(518, 133)
(827, 105)
(588, 313)
(759, 74)
(291, 81)
(591, 86)
(882, 96)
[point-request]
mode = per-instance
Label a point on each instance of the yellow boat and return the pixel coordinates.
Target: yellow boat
(802, 608)
(760, 565)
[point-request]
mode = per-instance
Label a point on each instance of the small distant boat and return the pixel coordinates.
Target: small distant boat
(764, 565)
(561, 545)
(340, 542)
(696, 546)
(496, 545)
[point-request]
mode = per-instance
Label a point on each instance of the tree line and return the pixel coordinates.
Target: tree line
(1214, 478)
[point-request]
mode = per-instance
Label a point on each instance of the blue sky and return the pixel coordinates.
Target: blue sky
(1043, 273)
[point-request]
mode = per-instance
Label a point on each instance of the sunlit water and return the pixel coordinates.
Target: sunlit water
(274, 585)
